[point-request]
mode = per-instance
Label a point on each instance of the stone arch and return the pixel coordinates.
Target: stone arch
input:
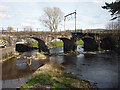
(9, 40)
(41, 44)
(69, 45)
(50, 38)
(90, 44)
(61, 43)
(107, 43)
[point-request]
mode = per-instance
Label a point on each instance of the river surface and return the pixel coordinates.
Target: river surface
(101, 68)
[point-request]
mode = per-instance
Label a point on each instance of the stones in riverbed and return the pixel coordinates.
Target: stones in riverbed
(40, 56)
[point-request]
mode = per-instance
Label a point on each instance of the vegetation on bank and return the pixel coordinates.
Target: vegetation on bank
(32, 44)
(60, 43)
(51, 76)
(80, 42)
(57, 43)
(52, 44)
(99, 29)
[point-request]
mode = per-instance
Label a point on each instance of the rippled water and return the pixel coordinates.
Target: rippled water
(100, 68)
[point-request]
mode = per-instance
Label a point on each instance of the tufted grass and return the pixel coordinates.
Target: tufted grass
(57, 43)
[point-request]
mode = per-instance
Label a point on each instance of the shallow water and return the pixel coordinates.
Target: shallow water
(100, 68)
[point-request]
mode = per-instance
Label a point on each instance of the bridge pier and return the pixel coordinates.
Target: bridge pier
(69, 45)
(41, 45)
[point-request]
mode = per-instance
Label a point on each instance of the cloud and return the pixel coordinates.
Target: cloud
(102, 2)
(46, 0)
(4, 12)
(98, 2)
(30, 22)
(24, 24)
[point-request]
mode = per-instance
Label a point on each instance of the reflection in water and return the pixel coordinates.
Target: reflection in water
(56, 50)
(14, 68)
(79, 48)
(98, 67)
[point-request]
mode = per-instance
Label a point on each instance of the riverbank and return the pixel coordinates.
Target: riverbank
(50, 75)
(7, 57)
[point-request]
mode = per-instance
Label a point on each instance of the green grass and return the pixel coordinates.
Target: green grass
(60, 43)
(46, 79)
(35, 44)
(118, 46)
(44, 53)
(56, 43)
(42, 78)
(99, 29)
(20, 40)
(32, 44)
(80, 42)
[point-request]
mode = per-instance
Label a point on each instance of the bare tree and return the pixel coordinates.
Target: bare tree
(28, 29)
(52, 18)
(113, 26)
(10, 29)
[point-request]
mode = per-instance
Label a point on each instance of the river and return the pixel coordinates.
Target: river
(101, 68)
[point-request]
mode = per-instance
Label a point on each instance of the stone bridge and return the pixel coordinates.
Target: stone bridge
(93, 40)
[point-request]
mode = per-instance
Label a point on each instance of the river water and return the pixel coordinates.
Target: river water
(101, 68)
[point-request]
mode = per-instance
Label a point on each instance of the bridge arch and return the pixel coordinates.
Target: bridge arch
(107, 43)
(41, 44)
(69, 45)
(89, 44)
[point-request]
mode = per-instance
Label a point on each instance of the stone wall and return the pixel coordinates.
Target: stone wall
(7, 51)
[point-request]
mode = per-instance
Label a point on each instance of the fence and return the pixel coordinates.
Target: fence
(44, 30)
(23, 30)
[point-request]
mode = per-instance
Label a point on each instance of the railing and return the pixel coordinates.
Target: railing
(66, 31)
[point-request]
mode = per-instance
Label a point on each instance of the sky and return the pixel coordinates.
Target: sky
(23, 13)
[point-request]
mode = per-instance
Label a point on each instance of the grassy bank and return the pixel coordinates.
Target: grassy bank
(80, 42)
(60, 43)
(56, 43)
(32, 44)
(51, 76)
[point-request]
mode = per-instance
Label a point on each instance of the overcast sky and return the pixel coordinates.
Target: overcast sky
(21, 13)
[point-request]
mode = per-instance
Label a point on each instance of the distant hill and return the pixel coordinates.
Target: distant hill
(96, 29)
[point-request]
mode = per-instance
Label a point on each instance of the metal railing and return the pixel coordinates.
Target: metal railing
(66, 31)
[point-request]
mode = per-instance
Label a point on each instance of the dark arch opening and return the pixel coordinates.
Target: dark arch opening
(26, 44)
(41, 46)
(69, 45)
(80, 44)
(107, 44)
(56, 43)
(90, 44)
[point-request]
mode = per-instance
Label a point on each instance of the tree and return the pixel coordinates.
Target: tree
(28, 29)
(52, 18)
(114, 8)
(10, 29)
(112, 26)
